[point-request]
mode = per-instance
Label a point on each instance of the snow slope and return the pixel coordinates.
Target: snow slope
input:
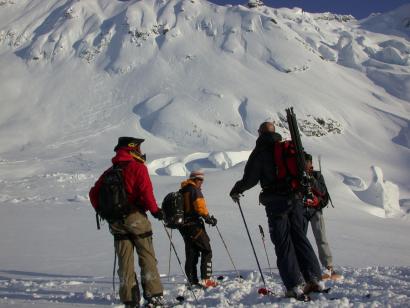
(196, 80)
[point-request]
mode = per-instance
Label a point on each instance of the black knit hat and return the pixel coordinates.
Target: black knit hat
(129, 142)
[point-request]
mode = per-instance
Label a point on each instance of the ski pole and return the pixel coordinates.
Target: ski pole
(264, 246)
(227, 250)
(169, 257)
(113, 271)
(179, 262)
(253, 248)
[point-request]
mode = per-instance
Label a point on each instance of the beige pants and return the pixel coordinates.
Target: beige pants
(136, 232)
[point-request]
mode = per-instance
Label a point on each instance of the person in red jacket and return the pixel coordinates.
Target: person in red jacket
(134, 231)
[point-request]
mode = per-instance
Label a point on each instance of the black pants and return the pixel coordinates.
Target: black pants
(295, 255)
(197, 243)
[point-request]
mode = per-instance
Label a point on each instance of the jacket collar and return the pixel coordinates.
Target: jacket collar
(123, 155)
(268, 139)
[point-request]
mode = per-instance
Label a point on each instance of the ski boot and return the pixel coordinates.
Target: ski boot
(131, 305)
(331, 274)
(209, 283)
(297, 294)
(155, 301)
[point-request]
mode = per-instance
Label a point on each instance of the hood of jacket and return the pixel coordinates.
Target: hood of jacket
(123, 155)
(267, 140)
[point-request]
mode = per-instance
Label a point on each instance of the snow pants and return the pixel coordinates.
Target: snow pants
(135, 232)
(197, 243)
(295, 255)
(319, 232)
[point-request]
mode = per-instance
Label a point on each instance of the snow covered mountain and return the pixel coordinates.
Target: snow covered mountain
(196, 80)
(193, 76)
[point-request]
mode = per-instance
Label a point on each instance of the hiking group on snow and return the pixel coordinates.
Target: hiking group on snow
(293, 194)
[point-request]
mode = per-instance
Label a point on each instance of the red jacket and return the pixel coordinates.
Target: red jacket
(136, 180)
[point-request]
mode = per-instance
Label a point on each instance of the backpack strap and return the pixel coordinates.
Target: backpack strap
(121, 165)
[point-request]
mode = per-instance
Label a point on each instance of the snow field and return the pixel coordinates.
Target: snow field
(365, 287)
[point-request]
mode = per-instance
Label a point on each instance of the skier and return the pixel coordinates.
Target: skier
(193, 231)
(314, 215)
(134, 231)
(284, 209)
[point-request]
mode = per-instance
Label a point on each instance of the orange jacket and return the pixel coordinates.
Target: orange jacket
(194, 202)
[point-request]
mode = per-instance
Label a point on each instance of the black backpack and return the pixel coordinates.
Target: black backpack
(113, 203)
(173, 208)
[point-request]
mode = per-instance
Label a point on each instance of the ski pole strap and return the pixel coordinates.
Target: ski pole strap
(250, 239)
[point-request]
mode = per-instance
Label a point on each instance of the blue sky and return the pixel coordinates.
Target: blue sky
(358, 8)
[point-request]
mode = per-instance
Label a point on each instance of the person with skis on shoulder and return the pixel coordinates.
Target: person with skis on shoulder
(296, 259)
(134, 230)
(314, 215)
(197, 242)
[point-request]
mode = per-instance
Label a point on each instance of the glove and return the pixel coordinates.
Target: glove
(235, 197)
(309, 202)
(210, 220)
(159, 214)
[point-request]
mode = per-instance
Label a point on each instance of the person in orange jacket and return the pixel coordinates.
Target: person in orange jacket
(193, 231)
